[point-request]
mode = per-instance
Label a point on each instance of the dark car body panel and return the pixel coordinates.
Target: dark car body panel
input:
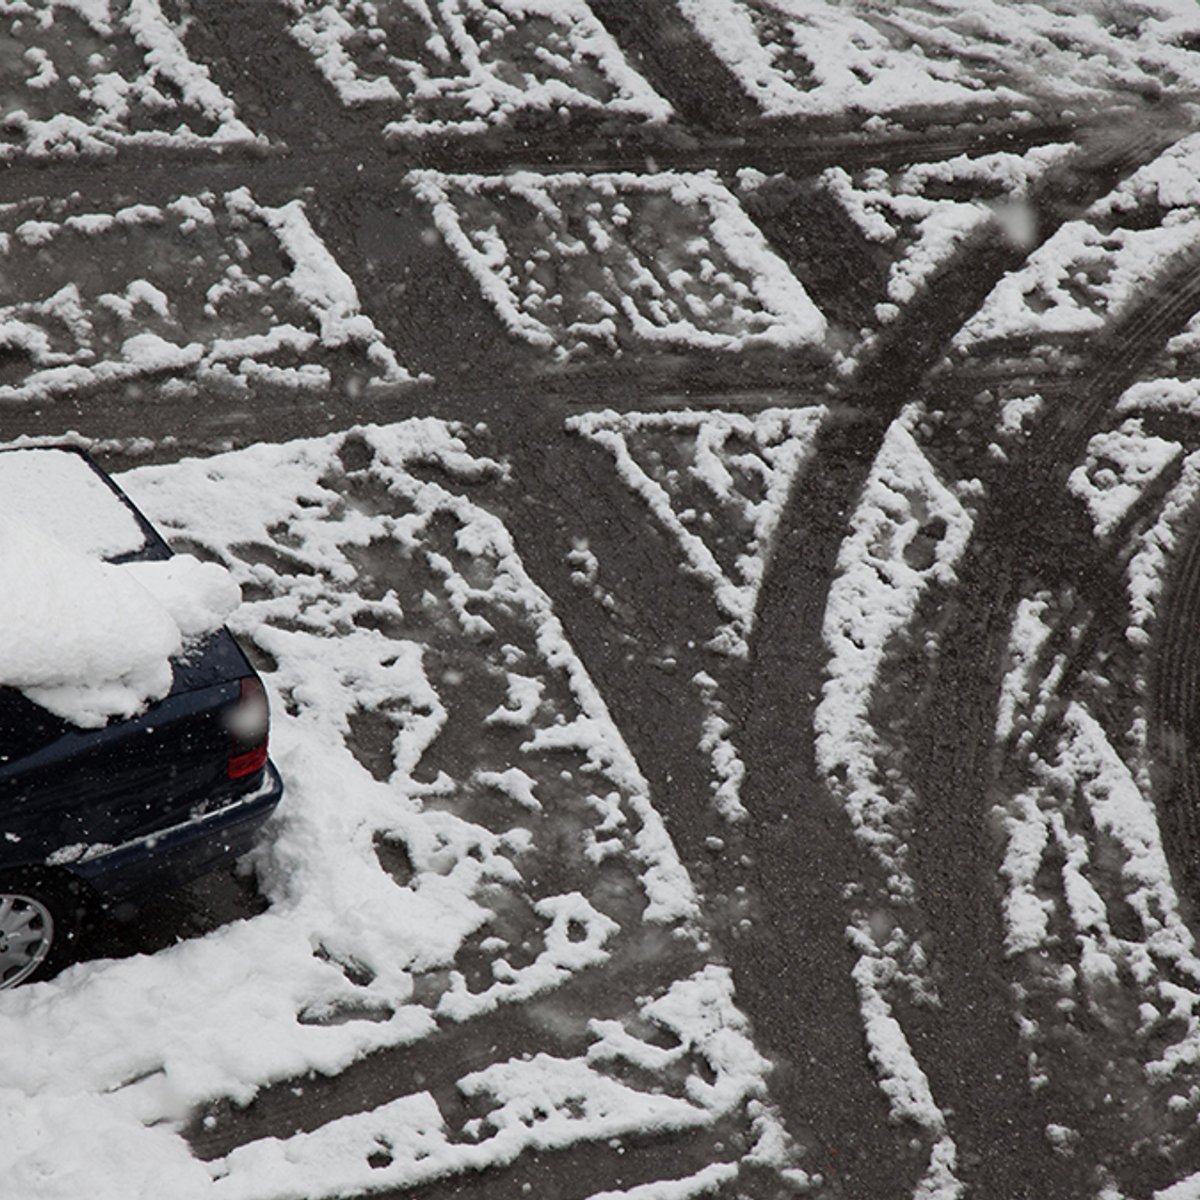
(141, 802)
(182, 852)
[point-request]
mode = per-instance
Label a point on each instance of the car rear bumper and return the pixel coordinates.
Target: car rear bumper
(174, 856)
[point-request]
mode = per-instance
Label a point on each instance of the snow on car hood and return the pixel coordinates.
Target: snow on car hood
(90, 640)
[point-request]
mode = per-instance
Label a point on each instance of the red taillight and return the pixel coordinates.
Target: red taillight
(247, 722)
(250, 763)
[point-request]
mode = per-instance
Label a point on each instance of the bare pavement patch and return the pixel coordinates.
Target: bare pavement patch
(713, 492)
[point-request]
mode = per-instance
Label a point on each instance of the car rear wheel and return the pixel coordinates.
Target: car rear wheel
(39, 925)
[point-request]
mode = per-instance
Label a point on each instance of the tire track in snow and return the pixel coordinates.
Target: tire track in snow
(678, 62)
(555, 1023)
(851, 1143)
(783, 686)
(1175, 715)
(1101, 605)
(792, 965)
(1017, 538)
(599, 1169)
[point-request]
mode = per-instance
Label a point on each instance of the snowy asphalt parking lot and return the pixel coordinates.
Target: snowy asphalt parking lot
(715, 491)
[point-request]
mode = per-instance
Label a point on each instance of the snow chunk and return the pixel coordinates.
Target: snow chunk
(1172, 180)
(727, 766)
(1026, 913)
(197, 596)
(129, 319)
(825, 57)
(98, 77)
(536, 1102)
(515, 784)
(1123, 814)
(564, 954)
(1147, 568)
(1079, 278)
(112, 1158)
(901, 1077)
(1120, 464)
(1022, 696)
(1185, 1189)
(453, 68)
(703, 1183)
(822, 60)
(80, 637)
(1162, 395)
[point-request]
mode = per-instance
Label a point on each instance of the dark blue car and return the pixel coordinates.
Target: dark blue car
(103, 815)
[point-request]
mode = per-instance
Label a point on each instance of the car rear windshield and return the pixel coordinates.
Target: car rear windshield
(59, 493)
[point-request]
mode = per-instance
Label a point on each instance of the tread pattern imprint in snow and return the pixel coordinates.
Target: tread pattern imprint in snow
(714, 488)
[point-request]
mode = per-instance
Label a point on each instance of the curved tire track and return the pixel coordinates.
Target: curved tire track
(1015, 545)
(792, 965)
(1175, 715)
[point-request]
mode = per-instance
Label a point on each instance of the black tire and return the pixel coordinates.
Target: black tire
(41, 916)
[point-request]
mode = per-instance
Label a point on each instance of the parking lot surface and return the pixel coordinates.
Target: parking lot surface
(714, 491)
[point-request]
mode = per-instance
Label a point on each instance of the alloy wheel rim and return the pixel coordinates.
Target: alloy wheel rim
(26, 935)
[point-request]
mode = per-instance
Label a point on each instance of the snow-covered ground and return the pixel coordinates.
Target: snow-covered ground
(461, 68)
(815, 57)
(212, 292)
(548, 402)
(570, 259)
(90, 78)
(425, 890)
